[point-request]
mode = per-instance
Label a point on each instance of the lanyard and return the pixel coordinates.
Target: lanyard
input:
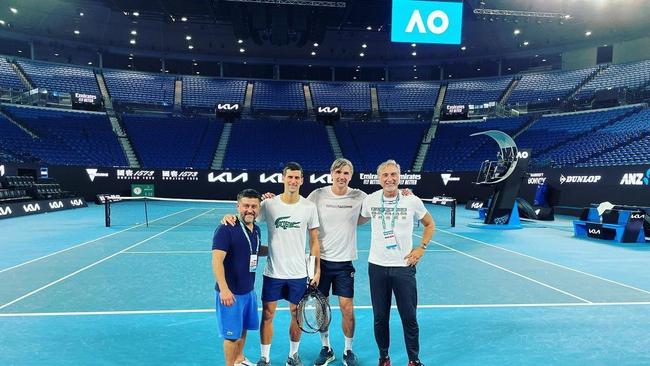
(393, 219)
(250, 245)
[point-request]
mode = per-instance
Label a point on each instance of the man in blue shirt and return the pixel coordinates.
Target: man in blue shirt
(235, 250)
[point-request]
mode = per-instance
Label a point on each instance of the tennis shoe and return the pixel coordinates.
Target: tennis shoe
(325, 356)
(245, 362)
(349, 359)
(294, 360)
(263, 362)
(384, 361)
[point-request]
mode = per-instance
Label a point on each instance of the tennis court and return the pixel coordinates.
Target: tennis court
(73, 292)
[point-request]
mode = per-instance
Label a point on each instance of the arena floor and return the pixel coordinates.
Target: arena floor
(73, 292)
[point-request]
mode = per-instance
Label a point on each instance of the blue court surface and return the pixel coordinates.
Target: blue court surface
(73, 292)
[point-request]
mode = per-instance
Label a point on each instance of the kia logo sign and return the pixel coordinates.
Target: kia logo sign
(594, 231)
(328, 110)
(322, 179)
(427, 22)
(227, 107)
(32, 207)
(76, 202)
(4, 211)
(273, 178)
(227, 177)
(477, 205)
(56, 205)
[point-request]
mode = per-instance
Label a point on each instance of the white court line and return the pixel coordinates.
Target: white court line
(90, 241)
(428, 250)
(509, 271)
(548, 262)
(357, 307)
(172, 252)
(102, 260)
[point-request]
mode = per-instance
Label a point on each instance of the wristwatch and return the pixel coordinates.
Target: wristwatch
(424, 245)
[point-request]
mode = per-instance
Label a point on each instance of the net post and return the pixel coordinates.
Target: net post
(146, 213)
(453, 213)
(107, 212)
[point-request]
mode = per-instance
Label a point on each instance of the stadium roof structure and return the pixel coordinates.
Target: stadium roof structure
(321, 31)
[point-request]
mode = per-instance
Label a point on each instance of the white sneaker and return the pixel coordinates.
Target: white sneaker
(245, 362)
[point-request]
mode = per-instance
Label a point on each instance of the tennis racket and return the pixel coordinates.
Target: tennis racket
(314, 314)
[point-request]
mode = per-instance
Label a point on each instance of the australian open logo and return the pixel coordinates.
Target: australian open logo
(284, 223)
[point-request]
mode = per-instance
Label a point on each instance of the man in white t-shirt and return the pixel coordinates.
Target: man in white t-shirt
(338, 208)
(289, 217)
(393, 259)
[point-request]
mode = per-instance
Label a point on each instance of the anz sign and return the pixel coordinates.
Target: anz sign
(417, 21)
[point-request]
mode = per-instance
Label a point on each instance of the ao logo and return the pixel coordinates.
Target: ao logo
(522, 155)
(416, 20)
(427, 21)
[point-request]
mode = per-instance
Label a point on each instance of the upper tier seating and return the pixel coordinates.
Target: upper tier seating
(476, 91)
(278, 95)
(350, 97)
(60, 78)
(407, 96)
(204, 92)
(631, 75)
(132, 87)
(546, 87)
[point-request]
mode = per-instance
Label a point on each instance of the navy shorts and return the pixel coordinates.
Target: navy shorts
(292, 290)
(338, 276)
(233, 319)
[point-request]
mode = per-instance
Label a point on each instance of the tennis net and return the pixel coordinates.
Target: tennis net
(164, 212)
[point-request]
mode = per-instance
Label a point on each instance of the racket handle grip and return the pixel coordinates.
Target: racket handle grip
(311, 266)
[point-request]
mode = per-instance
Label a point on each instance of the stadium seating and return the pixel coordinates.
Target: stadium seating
(60, 78)
(633, 153)
(350, 97)
(131, 87)
(203, 92)
(631, 75)
(547, 87)
(367, 144)
(604, 139)
(269, 144)
(454, 149)
(164, 141)
(278, 96)
(476, 91)
(553, 130)
(407, 96)
(8, 77)
(64, 137)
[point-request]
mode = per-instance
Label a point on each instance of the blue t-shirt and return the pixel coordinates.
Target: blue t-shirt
(231, 240)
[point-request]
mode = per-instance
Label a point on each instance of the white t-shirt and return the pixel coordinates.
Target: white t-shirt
(288, 228)
(408, 208)
(338, 217)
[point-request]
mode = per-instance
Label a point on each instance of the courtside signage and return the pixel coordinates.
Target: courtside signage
(418, 21)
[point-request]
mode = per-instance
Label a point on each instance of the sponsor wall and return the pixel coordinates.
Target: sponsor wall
(8, 210)
(576, 187)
